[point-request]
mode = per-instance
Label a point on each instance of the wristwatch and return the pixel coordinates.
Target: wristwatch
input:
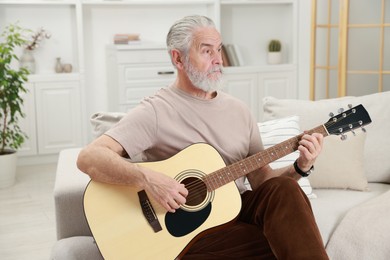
(300, 172)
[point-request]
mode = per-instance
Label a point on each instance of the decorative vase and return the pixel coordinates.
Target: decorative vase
(8, 169)
(274, 57)
(27, 61)
(58, 67)
(67, 68)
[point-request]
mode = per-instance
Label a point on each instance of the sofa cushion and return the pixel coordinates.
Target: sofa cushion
(340, 163)
(276, 131)
(331, 205)
(364, 232)
(314, 113)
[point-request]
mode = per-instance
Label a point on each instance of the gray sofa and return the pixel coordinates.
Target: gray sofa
(350, 195)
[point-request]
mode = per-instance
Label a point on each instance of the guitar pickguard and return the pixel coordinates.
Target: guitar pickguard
(183, 222)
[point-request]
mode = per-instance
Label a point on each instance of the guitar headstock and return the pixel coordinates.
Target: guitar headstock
(355, 117)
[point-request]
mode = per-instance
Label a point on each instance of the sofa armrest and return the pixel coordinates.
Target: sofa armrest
(69, 190)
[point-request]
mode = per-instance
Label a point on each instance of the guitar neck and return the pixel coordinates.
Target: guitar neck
(256, 161)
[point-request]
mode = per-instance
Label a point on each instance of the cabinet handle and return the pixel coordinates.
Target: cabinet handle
(165, 72)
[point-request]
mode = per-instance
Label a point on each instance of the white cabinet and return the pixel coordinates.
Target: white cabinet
(278, 84)
(53, 116)
(252, 84)
(136, 72)
(244, 87)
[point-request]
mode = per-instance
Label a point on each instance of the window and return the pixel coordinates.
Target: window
(350, 48)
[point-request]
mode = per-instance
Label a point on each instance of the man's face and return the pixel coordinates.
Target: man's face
(203, 65)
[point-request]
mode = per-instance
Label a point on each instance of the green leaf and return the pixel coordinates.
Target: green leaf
(11, 88)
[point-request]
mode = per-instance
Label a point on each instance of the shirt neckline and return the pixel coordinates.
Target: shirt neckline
(187, 95)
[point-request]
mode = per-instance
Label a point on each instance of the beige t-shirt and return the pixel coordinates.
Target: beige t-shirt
(171, 120)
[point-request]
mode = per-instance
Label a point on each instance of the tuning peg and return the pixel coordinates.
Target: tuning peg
(331, 114)
(349, 105)
(341, 110)
(343, 137)
(364, 130)
(350, 127)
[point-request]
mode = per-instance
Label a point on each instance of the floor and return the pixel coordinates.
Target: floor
(27, 220)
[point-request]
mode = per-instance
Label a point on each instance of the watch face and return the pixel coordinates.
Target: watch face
(310, 171)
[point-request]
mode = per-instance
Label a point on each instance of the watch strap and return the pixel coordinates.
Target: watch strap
(300, 172)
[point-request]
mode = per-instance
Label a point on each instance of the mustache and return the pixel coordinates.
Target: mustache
(215, 69)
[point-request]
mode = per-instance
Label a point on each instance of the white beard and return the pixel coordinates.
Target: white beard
(201, 80)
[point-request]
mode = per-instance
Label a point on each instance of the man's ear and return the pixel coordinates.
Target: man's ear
(177, 59)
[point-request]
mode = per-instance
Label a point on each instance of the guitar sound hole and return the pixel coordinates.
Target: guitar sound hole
(197, 191)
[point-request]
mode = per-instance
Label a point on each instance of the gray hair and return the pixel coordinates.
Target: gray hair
(181, 33)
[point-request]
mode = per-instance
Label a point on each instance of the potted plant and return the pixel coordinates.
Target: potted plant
(11, 102)
(274, 52)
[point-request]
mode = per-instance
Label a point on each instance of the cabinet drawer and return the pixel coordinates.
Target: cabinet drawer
(137, 92)
(151, 73)
(142, 56)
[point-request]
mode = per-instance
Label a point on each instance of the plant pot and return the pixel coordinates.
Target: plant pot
(7, 169)
(274, 57)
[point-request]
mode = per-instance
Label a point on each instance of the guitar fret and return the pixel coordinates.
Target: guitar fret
(220, 179)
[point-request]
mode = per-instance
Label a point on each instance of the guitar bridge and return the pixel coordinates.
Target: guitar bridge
(148, 211)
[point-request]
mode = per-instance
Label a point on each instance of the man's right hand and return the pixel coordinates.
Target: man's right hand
(165, 190)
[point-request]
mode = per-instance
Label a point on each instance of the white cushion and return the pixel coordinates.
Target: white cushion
(340, 164)
(276, 131)
(314, 113)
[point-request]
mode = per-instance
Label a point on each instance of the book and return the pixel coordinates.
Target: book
(125, 38)
(238, 53)
(225, 58)
(232, 55)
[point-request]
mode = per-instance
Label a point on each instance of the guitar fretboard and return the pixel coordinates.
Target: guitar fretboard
(241, 168)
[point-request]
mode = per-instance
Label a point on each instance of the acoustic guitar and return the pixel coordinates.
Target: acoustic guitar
(127, 224)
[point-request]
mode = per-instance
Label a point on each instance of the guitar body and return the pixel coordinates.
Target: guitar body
(121, 229)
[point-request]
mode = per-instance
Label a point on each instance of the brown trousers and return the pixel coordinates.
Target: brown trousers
(276, 222)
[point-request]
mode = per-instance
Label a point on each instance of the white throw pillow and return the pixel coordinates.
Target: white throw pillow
(276, 131)
(340, 164)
